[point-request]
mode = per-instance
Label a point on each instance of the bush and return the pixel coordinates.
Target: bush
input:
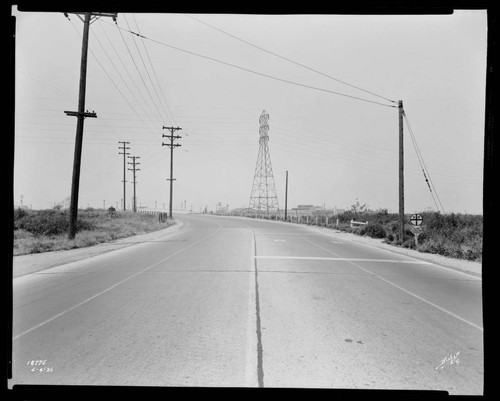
(453, 235)
(48, 222)
(19, 213)
(373, 230)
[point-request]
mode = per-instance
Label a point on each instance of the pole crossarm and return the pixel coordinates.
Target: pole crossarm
(94, 15)
(82, 114)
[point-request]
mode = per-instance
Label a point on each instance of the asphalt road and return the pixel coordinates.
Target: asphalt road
(247, 303)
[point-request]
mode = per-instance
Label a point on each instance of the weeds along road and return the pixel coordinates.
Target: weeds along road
(242, 302)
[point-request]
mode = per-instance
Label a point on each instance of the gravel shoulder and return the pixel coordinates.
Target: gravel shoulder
(32, 263)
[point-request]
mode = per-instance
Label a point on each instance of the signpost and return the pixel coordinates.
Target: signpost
(416, 220)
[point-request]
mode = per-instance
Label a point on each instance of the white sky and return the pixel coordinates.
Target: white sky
(336, 149)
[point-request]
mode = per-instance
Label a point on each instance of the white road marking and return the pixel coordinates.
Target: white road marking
(285, 233)
(404, 290)
(114, 285)
(419, 262)
(279, 240)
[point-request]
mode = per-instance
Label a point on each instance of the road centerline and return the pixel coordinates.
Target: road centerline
(260, 367)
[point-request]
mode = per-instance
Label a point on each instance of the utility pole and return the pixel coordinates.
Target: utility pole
(286, 194)
(124, 148)
(401, 175)
(80, 115)
(134, 169)
(171, 145)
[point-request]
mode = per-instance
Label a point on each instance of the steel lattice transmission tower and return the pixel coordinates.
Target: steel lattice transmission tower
(263, 199)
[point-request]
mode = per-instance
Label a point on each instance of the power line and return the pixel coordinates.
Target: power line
(158, 111)
(427, 176)
(154, 150)
(136, 67)
(255, 72)
(289, 60)
(156, 76)
(126, 70)
(120, 75)
(115, 85)
(147, 72)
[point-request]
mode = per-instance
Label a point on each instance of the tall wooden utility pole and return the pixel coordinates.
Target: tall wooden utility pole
(125, 153)
(171, 145)
(401, 176)
(134, 169)
(286, 195)
(80, 115)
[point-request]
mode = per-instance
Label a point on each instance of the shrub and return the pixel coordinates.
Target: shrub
(374, 230)
(19, 213)
(44, 222)
(48, 222)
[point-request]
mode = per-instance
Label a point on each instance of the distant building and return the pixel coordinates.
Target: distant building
(312, 210)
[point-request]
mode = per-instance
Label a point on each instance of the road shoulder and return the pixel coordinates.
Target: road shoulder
(464, 266)
(32, 263)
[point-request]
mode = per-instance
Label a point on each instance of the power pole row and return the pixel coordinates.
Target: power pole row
(124, 148)
(134, 169)
(171, 145)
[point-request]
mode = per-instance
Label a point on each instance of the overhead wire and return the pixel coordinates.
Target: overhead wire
(111, 79)
(424, 168)
(419, 156)
(156, 76)
(126, 70)
(147, 72)
(115, 84)
(155, 151)
(124, 82)
(150, 116)
(290, 60)
(277, 129)
(255, 72)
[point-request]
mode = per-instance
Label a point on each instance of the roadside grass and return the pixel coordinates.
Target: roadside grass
(37, 231)
(453, 235)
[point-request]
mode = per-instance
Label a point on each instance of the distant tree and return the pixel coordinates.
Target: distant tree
(358, 208)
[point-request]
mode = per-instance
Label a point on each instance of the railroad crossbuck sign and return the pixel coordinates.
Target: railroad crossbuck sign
(416, 219)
